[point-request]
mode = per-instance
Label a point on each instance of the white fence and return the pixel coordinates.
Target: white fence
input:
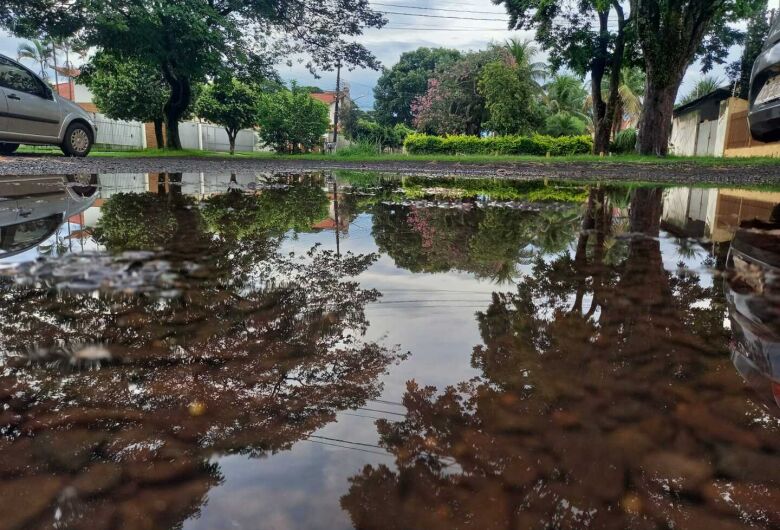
(117, 134)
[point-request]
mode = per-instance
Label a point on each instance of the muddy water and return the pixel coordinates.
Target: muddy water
(345, 350)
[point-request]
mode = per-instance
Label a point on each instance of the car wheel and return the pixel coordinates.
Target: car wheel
(78, 140)
(8, 149)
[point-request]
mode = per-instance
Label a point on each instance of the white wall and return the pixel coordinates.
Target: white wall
(119, 134)
(684, 133)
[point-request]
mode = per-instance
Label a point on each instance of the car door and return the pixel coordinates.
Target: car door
(33, 112)
(3, 115)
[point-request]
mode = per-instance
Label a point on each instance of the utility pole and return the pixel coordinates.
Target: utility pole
(338, 98)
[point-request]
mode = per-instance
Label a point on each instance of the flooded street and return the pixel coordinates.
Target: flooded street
(340, 349)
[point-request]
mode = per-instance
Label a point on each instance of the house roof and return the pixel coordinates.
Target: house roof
(716, 96)
(65, 90)
(326, 97)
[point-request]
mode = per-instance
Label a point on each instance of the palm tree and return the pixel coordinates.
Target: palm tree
(565, 94)
(524, 52)
(630, 95)
(36, 51)
(704, 86)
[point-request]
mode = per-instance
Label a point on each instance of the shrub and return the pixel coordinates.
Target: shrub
(537, 144)
(625, 142)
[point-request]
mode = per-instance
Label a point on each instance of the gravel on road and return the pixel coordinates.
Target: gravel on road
(682, 173)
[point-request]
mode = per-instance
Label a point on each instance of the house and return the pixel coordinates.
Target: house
(716, 125)
(329, 98)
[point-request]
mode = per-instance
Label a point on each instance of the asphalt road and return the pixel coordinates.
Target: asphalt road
(677, 173)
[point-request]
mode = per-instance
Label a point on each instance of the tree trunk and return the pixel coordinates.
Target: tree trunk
(158, 133)
(176, 106)
(232, 139)
(655, 124)
(604, 112)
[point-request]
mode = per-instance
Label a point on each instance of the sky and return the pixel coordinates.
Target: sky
(415, 28)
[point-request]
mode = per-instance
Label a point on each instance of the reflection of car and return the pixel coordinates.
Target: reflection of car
(31, 113)
(753, 292)
(33, 208)
(764, 113)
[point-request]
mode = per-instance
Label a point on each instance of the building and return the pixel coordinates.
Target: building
(716, 125)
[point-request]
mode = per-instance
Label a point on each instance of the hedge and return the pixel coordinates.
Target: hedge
(423, 144)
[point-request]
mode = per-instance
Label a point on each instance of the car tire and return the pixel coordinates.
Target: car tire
(78, 140)
(8, 149)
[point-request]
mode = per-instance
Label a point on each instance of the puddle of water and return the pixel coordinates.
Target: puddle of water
(344, 350)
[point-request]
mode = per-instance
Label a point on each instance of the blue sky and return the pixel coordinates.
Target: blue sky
(406, 33)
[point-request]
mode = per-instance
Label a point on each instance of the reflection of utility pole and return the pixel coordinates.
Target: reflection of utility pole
(336, 214)
(338, 98)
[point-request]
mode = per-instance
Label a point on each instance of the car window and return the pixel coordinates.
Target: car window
(15, 78)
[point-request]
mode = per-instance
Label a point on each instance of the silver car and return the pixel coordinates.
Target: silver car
(31, 113)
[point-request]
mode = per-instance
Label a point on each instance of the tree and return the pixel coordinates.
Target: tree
(671, 35)
(757, 33)
(453, 104)
(192, 40)
(567, 30)
(565, 93)
(230, 103)
(407, 80)
(126, 89)
(508, 98)
(564, 124)
(524, 52)
(703, 86)
(291, 120)
(38, 52)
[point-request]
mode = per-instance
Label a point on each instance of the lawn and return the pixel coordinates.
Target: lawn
(399, 157)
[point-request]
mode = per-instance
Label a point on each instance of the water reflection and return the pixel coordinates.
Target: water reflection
(598, 392)
(114, 401)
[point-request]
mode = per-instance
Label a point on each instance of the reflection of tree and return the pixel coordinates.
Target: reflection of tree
(606, 401)
(249, 356)
(489, 242)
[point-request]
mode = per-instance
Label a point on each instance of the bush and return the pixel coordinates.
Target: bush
(381, 135)
(360, 148)
(540, 145)
(625, 142)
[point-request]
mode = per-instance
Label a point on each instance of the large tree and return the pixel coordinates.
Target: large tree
(398, 86)
(671, 35)
(587, 37)
(127, 89)
(508, 93)
(191, 40)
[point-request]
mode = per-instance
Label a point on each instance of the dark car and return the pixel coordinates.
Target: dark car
(752, 289)
(764, 113)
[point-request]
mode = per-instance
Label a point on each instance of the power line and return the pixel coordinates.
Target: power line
(439, 9)
(439, 16)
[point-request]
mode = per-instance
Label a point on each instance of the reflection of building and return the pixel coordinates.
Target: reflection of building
(715, 214)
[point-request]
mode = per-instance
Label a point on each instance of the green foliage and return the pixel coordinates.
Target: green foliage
(136, 221)
(564, 124)
(381, 136)
(705, 85)
(125, 88)
(453, 103)
(231, 104)
(292, 121)
(239, 216)
(407, 80)
(625, 142)
(508, 98)
(538, 145)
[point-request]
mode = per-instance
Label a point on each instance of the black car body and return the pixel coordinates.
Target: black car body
(764, 113)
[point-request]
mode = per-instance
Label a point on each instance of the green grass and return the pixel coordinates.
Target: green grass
(362, 156)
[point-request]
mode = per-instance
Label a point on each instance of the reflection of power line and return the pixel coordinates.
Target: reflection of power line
(381, 411)
(348, 447)
(450, 17)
